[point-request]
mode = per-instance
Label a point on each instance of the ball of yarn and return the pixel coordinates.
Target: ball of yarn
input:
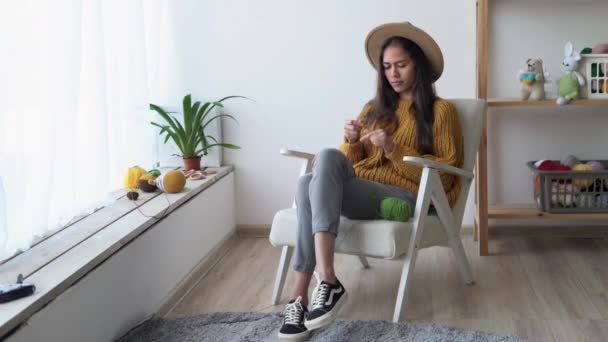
(563, 194)
(570, 160)
(132, 195)
(171, 181)
(545, 165)
(603, 201)
(586, 200)
(583, 182)
(395, 209)
(595, 165)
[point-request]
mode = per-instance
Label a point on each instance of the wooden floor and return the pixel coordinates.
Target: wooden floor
(544, 289)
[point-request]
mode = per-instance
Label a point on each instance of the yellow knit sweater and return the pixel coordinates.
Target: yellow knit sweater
(373, 163)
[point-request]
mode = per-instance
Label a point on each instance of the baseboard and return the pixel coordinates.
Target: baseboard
(550, 231)
(263, 230)
(184, 287)
(466, 229)
(253, 230)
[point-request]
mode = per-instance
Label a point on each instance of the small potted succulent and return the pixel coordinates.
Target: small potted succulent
(188, 131)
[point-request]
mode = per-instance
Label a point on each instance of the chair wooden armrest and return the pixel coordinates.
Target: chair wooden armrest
(307, 162)
(296, 154)
(422, 162)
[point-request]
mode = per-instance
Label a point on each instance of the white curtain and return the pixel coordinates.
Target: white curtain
(76, 78)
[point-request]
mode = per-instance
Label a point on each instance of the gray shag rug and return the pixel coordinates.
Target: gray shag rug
(236, 326)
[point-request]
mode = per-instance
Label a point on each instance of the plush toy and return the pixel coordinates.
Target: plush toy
(533, 80)
(131, 177)
(171, 181)
(568, 84)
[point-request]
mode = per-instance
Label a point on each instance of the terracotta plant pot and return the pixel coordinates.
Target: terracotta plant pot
(192, 163)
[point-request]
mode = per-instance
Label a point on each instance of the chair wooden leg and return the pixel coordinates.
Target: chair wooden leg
(462, 261)
(444, 212)
(406, 271)
(364, 261)
(423, 201)
(279, 282)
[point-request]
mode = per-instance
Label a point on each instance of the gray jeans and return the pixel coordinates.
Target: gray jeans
(331, 190)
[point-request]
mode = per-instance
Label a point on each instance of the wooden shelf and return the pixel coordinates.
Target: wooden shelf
(520, 103)
(531, 211)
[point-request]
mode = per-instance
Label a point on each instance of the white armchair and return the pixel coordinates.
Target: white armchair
(399, 240)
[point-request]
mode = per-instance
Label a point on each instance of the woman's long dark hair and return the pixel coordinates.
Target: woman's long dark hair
(423, 95)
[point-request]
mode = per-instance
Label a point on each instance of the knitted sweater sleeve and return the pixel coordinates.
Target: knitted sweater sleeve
(447, 145)
(355, 152)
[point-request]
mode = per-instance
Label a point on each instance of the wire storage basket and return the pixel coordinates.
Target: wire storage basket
(594, 68)
(571, 191)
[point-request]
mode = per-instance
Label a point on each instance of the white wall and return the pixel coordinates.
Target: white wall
(303, 63)
(132, 284)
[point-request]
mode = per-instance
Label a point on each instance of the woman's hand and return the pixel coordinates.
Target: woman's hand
(380, 139)
(352, 130)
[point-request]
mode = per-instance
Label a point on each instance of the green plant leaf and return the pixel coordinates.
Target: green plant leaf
(169, 134)
(163, 129)
(218, 116)
(231, 146)
(180, 132)
(189, 123)
(232, 97)
(172, 124)
(234, 147)
(199, 116)
(175, 125)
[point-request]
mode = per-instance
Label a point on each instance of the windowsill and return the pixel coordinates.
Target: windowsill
(58, 262)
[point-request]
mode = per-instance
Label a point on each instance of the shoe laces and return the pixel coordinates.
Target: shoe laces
(320, 293)
(294, 311)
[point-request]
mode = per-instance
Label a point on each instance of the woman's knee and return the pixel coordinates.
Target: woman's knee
(328, 157)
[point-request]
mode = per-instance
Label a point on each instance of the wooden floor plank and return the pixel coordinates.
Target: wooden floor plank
(588, 260)
(555, 283)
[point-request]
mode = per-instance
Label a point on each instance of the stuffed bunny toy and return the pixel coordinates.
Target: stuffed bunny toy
(568, 84)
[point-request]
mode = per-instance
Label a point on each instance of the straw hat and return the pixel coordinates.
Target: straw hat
(377, 37)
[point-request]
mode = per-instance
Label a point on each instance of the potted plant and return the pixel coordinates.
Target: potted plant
(188, 132)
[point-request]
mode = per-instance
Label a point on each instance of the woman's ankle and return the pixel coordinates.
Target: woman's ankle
(328, 277)
(304, 300)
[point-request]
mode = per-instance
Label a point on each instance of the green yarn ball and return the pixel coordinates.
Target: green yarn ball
(395, 209)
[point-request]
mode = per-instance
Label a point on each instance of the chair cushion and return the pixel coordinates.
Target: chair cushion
(373, 238)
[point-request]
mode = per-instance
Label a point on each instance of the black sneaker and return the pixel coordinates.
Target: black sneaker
(293, 328)
(327, 300)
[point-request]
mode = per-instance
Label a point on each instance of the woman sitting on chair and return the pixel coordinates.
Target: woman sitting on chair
(405, 118)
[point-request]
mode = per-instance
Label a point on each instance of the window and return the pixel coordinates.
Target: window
(76, 78)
